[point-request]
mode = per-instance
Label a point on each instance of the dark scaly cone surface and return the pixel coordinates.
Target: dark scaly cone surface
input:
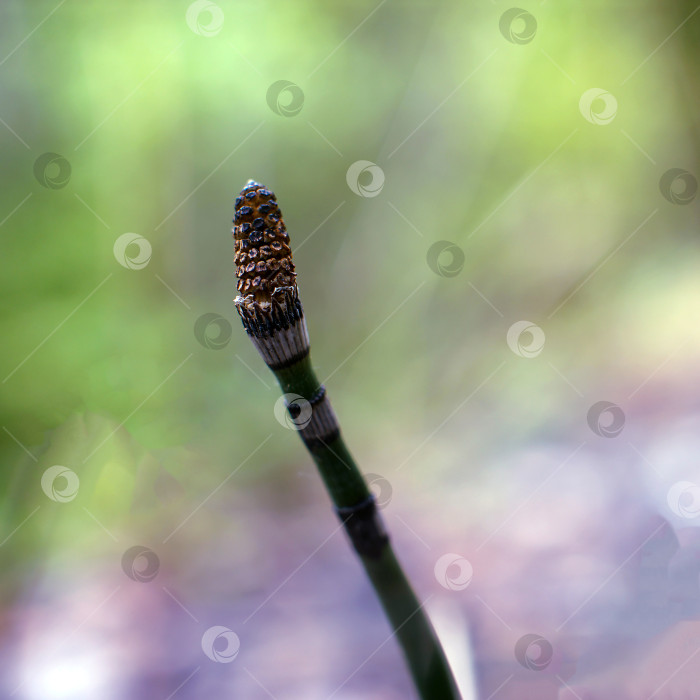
(268, 301)
(263, 256)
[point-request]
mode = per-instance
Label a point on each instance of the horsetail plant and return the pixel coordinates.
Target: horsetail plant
(272, 315)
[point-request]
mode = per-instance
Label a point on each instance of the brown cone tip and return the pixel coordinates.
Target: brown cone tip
(263, 257)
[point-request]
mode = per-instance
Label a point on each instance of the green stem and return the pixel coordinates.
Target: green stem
(347, 488)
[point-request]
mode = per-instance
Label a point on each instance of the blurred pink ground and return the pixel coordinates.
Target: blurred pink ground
(574, 549)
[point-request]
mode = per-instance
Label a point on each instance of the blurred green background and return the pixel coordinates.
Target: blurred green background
(162, 112)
